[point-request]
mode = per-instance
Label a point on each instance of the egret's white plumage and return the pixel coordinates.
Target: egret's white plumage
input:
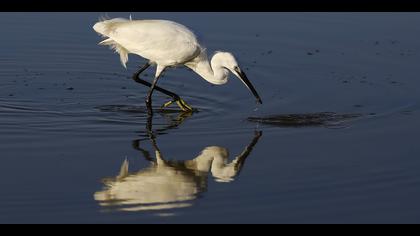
(163, 42)
(167, 44)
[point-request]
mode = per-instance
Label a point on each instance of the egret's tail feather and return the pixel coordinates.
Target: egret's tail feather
(118, 48)
(104, 28)
(123, 54)
(107, 41)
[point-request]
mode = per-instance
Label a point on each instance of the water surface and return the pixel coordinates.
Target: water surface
(336, 140)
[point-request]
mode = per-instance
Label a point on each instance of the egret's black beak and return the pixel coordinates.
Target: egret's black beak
(245, 80)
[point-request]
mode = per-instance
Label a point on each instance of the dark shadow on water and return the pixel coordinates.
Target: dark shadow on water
(323, 119)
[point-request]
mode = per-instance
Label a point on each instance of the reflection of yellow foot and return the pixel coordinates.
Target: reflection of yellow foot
(183, 115)
(181, 103)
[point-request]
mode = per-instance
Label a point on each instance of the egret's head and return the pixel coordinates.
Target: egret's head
(228, 61)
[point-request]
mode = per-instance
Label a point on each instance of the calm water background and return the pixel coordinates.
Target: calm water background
(69, 114)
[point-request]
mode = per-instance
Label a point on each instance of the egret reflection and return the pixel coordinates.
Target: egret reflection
(168, 184)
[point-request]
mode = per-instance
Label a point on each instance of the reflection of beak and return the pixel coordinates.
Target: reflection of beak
(244, 79)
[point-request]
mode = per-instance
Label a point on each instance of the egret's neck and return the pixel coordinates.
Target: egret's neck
(213, 73)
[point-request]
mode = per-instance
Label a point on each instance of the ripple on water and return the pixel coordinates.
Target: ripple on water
(18, 108)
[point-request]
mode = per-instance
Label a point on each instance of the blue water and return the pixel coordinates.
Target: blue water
(76, 147)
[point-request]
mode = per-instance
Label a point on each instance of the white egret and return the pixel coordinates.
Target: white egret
(168, 44)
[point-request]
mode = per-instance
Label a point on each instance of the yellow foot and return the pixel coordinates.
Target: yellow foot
(181, 103)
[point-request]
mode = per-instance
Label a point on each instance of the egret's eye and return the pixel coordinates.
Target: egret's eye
(236, 68)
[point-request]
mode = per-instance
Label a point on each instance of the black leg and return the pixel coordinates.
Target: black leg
(157, 88)
(149, 95)
(175, 98)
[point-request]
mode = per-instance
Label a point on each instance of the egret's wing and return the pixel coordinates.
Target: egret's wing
(161, 41)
